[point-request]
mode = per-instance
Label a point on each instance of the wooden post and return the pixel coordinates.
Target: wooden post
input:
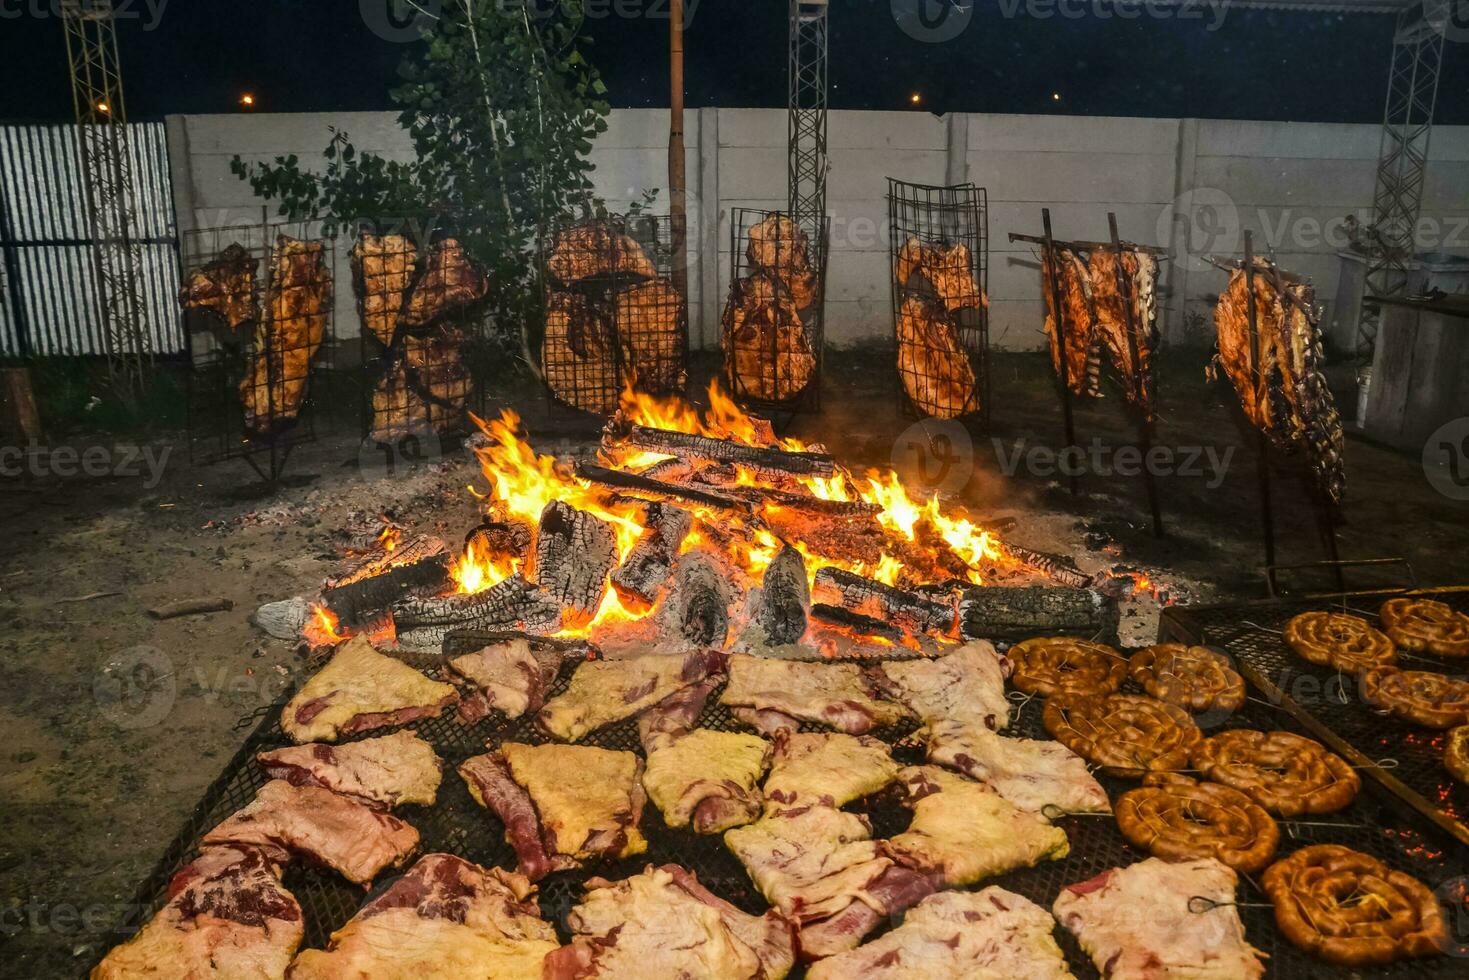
(1053, 258)
(677, 182)
(1126, 289)
(18, 405)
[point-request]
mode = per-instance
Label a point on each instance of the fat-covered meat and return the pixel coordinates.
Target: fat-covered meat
(358, 690)
(388, 770)
(327, 828)
(490, 783)
(706, 778)
(226, 916)
(839, 695)
(1111, 304)
(828, 768)
(446, 918)
(508, 677)
(1029, 773)
(1077, 318)
(967, 685)
(1136, 922)
(605, 691)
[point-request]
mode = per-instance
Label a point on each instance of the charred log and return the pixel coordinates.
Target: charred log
(637, 485)
(497, 540)
(513, 604)
(804, 503)
(761, 459)
(1058, 568)
(640, 576)
(916, 613)
(1014, 614)
(574, 554)
(853, 622)
(696, 608)
(785, 597)
(382, 579)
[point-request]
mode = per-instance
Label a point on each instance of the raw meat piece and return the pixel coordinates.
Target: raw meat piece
(509, 677)
(1030, 773)
(450, 282)
(967, 686)
(1140, 272)
(827, 768)
(1136, 923)
(445, 918)
(358, 690)
(706, 778)
(350, 837)
(604, 691)
(490, 783)
(765, 720)
(767, 354)
(839, 695)
(663, 923)
(991, 933)
(227, 916)
(225, 287)
(932, 363)
(382, 269)
(1076, 314)
(579, 354)
(297, 301)
(649, 320)
(388, 770)
(967, 832)
(677, 713)
(821, 868)
(597, 248)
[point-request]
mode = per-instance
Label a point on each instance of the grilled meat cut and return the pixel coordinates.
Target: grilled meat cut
(350, 837)
(663, 923)
(1031, 774)
(1077, 317)
(781, 252)
(604, 691)
(767, 354)
(839, 695)
(965, 686)
(225, 287)
(358, 690)
(509, 677)
(1137, 922)
(820, 867)
(831, 769)
(387, 770)
(966, 832)
(988, 933)
(443, 920)
(226, 916)
(450, 282)
(705, 778)
(597, 248)
(1284, 391)
(562, 805)
(932, 362)
(650, 322)
(579, 354)
(297, 304)
(1110, 304)
(382, 270)
(947, 271)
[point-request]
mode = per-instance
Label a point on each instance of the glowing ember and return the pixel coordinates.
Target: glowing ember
(389, 538)
(321, 629)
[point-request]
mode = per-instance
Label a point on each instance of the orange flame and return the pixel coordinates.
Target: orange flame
(321, 629)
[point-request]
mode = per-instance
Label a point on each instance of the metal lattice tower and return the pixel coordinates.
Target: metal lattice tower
(1407, 123)
(806, 130)
(107, 172)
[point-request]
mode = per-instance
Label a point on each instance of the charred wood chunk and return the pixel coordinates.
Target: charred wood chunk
(932, 363)
(847, 621)
(579, 354)
(500, 540)
(409, 551)
(382, 270)
(650, 562)
(759, 458)
(225, 287)
(767, 353)
(785, 597)
(450, 282)
(514, 604)
(1058, 568)
(916, 613)
(298, 302)
(574, 554)
(805, 503)
(696, 607)
(356, 601)
(597, 248)
(1014, 614)
(650, 321)
(637, 485)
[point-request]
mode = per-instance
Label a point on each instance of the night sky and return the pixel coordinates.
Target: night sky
(199, 56)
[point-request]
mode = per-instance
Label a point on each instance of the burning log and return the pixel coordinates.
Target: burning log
(225, 287)
(761, 459)
(1058, 568)
(380, 579)
(804, 503)
(697, 604)
(1013, 614)
(913, 612)
(499, 541)
(574, 554)
(450, 282)
(639, 577)
(514, 604)
(847, 621)
(783, 599)
(637, 485)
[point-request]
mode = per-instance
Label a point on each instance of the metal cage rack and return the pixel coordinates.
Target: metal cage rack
(613, 319)
(253, 383)
(772, 331)
(938, 244)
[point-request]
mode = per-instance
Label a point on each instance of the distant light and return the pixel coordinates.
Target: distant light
(1055, 96)
(247, 100)
(103, 107)
(915, 98)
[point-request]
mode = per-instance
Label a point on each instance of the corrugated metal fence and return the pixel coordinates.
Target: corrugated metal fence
(48, 305)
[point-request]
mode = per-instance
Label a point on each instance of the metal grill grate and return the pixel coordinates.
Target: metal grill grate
(458, 825)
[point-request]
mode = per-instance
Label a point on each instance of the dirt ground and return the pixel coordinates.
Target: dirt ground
(99, 774)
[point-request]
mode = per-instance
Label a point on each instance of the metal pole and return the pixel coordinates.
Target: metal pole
(1144, 420)
(677, 182)
(1262, 445)
(1053, 259)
